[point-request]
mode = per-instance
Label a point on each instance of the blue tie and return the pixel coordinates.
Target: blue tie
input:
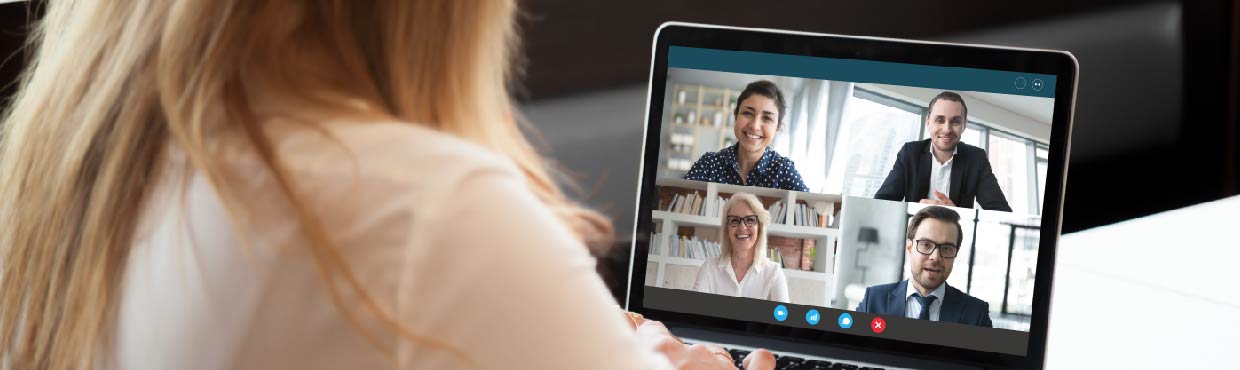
(925, 305)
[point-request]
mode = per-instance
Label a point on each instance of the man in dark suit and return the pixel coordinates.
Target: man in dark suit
(934, 237)
(942, 170)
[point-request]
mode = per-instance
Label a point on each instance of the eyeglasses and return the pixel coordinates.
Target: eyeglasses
(926, 247)
(750, 220)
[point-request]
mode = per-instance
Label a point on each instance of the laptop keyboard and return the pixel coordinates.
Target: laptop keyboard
(797, 363)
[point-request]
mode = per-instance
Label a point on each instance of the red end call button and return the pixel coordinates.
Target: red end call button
(878, 325)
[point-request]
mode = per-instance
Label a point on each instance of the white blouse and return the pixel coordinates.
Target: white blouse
(444, 234)
(764, 280)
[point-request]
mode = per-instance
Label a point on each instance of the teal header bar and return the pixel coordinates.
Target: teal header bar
(854, 70)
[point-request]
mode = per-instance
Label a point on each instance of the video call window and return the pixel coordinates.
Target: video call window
(1018, 162)
(691, 227)
(830, 148)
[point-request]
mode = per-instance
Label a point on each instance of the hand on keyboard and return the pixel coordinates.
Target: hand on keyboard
(699, 356)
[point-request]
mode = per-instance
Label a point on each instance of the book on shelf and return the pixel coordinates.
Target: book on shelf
(774, 255)
(656, 242)
(717, 205)
(804, 215)
(685, 202)
(775, 210)
(796, 216)
(684, 247)
(812, 216)
(697, 205)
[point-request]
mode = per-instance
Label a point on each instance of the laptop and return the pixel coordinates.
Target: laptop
(852, 202)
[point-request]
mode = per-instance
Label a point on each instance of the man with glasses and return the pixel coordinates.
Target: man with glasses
(933, 242)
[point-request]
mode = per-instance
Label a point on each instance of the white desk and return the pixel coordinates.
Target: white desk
(1159, 292)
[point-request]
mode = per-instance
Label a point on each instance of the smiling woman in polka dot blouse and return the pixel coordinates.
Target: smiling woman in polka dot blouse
(751, 162)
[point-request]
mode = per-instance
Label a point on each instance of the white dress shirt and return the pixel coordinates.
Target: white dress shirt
(913, 307)
(764, 280)
(445, 235)
(940, 174)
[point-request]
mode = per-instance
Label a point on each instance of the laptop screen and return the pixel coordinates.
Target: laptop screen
(849, 196)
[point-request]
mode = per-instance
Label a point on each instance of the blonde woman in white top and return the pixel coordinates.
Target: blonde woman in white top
(742, 268)
(290, 184)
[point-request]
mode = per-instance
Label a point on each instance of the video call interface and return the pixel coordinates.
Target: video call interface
(851, 196)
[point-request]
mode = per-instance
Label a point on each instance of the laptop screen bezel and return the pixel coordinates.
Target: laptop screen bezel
(1060, 64)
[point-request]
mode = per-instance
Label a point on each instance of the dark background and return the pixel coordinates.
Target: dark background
(1156, 123)
(576, 47)
(580, 45)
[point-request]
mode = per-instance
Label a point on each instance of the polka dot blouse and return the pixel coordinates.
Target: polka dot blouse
(772, 171)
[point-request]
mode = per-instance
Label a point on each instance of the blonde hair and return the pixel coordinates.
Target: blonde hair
(764, 219)
(111, 83)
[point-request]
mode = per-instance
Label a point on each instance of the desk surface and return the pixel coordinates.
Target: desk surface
(1155, 292)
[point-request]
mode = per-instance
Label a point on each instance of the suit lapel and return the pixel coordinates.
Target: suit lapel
(953, 304)
(896, 299)
(960, 165)
(922, 186)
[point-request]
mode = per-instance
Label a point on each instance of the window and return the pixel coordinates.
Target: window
(1041, 163)
(973, 134)
(1009, 159)
(871, 134)
(989, 263)
(1023, 268)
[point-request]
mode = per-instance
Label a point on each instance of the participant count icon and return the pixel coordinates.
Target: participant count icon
(812, 317)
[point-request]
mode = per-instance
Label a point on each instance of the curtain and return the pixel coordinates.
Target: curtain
(813, 125)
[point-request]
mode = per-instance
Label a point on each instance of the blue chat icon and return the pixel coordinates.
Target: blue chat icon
(845, 321)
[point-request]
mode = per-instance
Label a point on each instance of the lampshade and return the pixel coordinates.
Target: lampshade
(868, 235)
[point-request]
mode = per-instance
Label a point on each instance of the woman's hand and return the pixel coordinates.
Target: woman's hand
(697, 356)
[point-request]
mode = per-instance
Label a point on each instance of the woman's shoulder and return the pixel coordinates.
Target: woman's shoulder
(396, 152)
(779, 158)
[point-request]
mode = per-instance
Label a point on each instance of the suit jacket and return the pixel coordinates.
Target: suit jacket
(890, 299)
(909, 179)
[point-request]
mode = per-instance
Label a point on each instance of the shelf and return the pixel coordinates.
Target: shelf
(681, 183)
(686, 219)
(759, 191)
(790, 273)
(681, 261)
(802, 232)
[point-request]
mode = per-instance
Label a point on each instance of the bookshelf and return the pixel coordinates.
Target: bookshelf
(698, 120)
(812, 287)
